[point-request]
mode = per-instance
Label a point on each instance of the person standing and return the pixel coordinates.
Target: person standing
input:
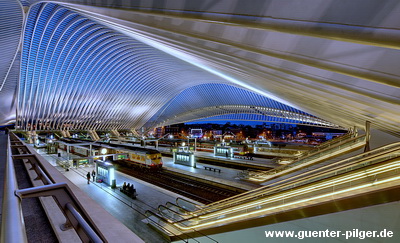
(93, 175)
(88, 177)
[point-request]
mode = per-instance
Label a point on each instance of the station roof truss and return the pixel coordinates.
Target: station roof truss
(103, 65)
(247, 113)
(203, 103)
(11, 24)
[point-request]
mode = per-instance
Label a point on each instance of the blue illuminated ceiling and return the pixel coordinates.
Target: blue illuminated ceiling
(11, 23)
(127, 64)
(221, 102)
(79, 74)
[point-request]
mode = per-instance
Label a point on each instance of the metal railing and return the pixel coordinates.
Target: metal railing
(291, 196)
(363, 171)
(315, 156)
(339, 139)
(13, 229)
(384, 151)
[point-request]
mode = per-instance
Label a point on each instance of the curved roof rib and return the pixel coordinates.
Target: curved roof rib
(246, 113)
(11, 21)
(79, 74)
(227, 102)
(333, 60)
(86, 67)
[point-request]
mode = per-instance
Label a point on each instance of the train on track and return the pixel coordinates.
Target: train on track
(142, 157)
(135, 156)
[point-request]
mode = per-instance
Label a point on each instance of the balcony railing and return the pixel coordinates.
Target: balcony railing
(375, 170)
(327, 151)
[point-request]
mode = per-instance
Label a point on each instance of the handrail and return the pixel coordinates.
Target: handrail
(12, 227)
(307, 155)
(261, 176)
(76, 215)
(65, 199)
(336, 181)
(263, 188)
(150, 213)
(187, 201)
(330, 188)
(161, 209)
(336, 140)
(347, 162)
(361, 171)
(82, 223)
(184, 211)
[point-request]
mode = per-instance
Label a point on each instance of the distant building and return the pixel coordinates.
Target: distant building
(217, 132)
(172, 130)
(326, 135)
(196, 133)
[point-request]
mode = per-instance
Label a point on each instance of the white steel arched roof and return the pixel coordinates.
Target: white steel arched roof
(335, 60)
(11, 23)
(79, 74)
(225, 102)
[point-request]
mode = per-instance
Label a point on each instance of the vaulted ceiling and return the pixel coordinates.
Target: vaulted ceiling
(128, 64)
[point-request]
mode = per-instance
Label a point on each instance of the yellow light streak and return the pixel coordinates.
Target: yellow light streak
(308, 189)
(247, 214)
(263, 177)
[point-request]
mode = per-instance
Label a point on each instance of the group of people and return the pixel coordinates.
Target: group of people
(88, 176)
(249, 157)
(128, 188)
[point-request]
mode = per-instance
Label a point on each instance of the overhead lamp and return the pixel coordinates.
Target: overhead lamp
(103, 151)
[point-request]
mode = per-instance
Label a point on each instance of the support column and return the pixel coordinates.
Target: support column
(63, 133)
(367, 136)
(93, 135)
(135, 133)
(115, 133)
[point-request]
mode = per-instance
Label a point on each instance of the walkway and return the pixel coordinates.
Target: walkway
(128, 211)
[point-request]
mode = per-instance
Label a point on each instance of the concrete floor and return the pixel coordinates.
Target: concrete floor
(128, 211)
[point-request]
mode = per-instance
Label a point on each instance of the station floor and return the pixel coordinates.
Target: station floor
(227, 176)
(131, 211)
(3, 162)
(268, 163)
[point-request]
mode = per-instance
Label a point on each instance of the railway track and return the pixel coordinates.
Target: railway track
(226, 163)
(198, 191)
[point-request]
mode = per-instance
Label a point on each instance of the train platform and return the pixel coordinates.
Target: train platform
(223, 175)
(130, 212)
(254, 163)
(267, 163)
(3, 162)
(226, 176)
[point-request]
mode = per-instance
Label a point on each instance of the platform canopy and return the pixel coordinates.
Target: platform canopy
(106, 64)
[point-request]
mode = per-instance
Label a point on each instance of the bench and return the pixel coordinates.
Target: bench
(212, 168)
(245, 157)
(129, 193)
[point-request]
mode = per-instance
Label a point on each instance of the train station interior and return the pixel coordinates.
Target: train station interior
(95, 98)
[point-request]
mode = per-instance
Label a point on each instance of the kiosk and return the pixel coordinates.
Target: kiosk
(184, 156)
(225, 151)
(80, 162)
(105, 172)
